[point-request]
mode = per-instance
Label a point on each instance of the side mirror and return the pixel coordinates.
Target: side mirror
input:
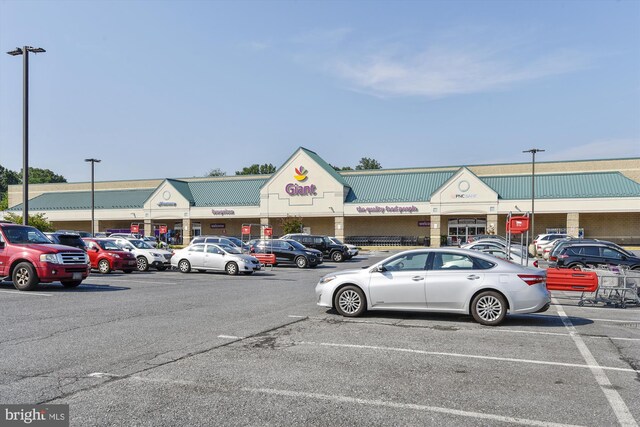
(1, 245)
(95, 249)
(379, 269)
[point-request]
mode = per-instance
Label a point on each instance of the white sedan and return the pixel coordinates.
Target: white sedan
(438, 280)
(209, 256)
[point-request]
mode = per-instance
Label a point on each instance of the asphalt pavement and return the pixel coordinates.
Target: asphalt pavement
(173, 349)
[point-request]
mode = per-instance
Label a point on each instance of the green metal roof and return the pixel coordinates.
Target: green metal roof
(394, 187)
(321, 162)
(76, 200)
(183, 188)
(564, 186)
(227, 192)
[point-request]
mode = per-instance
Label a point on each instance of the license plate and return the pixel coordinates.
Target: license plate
(77, 276)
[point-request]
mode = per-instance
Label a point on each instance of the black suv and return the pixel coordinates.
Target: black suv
(594, 254)
(330, 250)
(288, 252)
(67, 239)
(561, 243)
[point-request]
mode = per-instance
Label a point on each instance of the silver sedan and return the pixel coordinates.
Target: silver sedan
(209, 256)
(438, 280)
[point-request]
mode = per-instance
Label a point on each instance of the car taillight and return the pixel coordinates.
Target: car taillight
(563, 256)
(535, 263)
(531, 279)
(553, 258)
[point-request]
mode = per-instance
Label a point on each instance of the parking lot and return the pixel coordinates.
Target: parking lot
(166, 348)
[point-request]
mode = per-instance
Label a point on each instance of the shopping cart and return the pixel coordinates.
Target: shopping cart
(617, 286)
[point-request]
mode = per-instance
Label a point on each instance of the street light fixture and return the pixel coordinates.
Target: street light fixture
(533, 152)
(24, 51)
(93, 200)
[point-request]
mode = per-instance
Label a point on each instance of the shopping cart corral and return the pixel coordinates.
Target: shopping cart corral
(617, 286)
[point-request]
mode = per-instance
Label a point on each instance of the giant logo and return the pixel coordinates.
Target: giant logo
(301, 174)
(294, 189)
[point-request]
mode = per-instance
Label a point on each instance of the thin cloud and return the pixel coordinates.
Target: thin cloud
(604, 149)
(437, 73)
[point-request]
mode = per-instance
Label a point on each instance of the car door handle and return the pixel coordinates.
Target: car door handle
(417, 278)
(473, 277)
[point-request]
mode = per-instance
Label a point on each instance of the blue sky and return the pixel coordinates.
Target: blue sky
(174, 89)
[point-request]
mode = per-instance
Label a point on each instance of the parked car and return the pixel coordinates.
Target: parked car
(352, 249)
(214, 257)
(80, 233)
(542, 240)
(289, 252)
(146, 256)
(239, 243)
(512, 256)
(580, 255)
(330, 250)
(438, 280)
(553, 255)
(28, 257)
(493, 244)
(485, 236)
(68, 239)
(126, 235)
(106, 256)
(221, 240)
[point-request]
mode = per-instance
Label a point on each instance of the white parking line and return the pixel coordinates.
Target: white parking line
(230, 337)
(27, 293)
(296, 316)
(470, 356)
(346, 399)
(412, 406)
(616, 321)
(615, 401)
(557, 334)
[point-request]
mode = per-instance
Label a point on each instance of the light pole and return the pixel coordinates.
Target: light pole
(24, 51)
(93, 200)
(533, 152)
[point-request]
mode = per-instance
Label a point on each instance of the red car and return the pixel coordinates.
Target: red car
(105, 255)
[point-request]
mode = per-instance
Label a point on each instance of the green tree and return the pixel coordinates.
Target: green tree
(217, 172)
(43, 176)
(344, 168)
(38, 221)
(257, 169)
(366, 163)
(291, 224)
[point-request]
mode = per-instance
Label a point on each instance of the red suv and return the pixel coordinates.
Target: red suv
(105, 255)
(27, 257)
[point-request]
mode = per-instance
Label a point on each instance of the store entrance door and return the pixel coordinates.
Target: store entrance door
(460, 229)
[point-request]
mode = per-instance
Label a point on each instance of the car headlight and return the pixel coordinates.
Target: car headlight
(52, 258)
(114, 255)
(156, 255)
(326, 280)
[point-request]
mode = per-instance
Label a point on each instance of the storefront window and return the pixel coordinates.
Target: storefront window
(460, 229)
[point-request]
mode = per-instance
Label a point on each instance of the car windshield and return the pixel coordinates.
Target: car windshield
(336, 241)
(140, 244)
(297, 245)
(230, 249)
(108, 245)
(25, 235)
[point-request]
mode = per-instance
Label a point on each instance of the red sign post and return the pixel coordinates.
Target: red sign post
(135, 228)
(163, 229)
(268, 231)
(246, 229)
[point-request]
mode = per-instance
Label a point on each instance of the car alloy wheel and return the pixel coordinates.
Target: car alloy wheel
(104, 267)
(184, 266)
(337, 256)
(142, 263)
(232, 269)
(24, 277)
(349, 301)
(301, 262)
(489, 308)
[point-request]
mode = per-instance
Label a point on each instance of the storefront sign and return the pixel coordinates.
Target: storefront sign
(294, 189)
(162, 204)
(387, 209)
(223, 212)
(424, 223)
(218, 225)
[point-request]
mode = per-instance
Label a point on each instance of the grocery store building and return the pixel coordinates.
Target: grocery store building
(414, 206)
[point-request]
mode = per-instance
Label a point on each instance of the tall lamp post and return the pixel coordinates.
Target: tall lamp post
(24, 51)
(93, 199)
(533, 152)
